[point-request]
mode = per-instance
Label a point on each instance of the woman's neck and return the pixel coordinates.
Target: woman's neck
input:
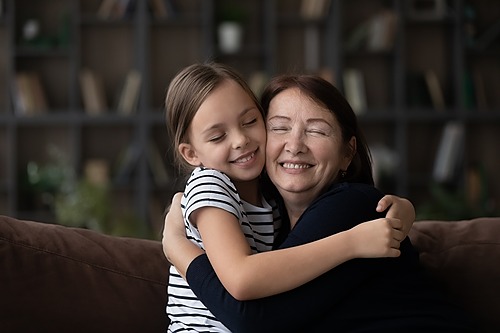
(295, 204)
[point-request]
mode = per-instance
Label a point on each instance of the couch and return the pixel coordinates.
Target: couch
(60, 279)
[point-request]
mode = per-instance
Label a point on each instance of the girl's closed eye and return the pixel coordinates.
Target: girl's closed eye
(250, 122)
(217, 137)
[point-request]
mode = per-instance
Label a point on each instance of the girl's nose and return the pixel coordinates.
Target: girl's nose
(240, 140)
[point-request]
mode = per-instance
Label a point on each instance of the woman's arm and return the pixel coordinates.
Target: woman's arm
(249, 276)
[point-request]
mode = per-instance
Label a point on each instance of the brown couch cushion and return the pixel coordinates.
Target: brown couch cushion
(59, 279)
(465, 256)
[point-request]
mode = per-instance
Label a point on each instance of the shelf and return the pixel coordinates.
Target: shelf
(400, 116)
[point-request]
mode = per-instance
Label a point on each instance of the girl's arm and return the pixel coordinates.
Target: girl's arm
(398, 208)
(178, 250)
(248, 276)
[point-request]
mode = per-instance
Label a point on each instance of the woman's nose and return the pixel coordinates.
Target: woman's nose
(295, 143)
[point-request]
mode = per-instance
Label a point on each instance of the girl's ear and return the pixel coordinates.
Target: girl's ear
(189, 154)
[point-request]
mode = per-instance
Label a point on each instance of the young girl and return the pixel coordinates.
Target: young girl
(218, 130)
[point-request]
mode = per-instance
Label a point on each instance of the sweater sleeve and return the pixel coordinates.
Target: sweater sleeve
(336, 211)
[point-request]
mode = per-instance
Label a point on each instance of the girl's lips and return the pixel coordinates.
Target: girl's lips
(245, 158)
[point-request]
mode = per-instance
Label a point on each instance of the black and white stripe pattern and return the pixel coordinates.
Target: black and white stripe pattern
(208, 187)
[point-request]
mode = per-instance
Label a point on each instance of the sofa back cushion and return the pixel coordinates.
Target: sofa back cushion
(59, 279)
(464, 256)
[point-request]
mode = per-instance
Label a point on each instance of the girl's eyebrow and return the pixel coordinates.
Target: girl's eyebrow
(248, 109)
(219, 125)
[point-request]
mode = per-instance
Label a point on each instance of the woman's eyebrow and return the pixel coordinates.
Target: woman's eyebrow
(278, 117)
(318, 120)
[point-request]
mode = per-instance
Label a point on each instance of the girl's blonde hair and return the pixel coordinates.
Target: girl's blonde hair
(185, 94)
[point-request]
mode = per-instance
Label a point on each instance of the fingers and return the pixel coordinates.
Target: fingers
(395, 223)
(385, 202)
(177, 196)
(393, 253)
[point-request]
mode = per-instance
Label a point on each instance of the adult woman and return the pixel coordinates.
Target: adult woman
(319, 162)
(217, 126)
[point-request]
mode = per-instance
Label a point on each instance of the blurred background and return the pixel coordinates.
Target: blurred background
(82, 86)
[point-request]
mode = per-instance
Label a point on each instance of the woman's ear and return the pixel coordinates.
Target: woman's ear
(189, 154)
(350, 152)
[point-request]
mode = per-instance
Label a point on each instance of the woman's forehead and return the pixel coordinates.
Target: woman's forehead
(294, 103)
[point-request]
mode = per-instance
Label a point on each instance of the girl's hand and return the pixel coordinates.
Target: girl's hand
(377, 238)
(399, 208)
(178, 250)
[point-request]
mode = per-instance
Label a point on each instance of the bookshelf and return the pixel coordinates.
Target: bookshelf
(457, 45)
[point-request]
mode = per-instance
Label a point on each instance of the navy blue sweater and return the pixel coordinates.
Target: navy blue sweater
(362, 295)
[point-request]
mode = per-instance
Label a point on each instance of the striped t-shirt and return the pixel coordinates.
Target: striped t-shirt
(208, 187)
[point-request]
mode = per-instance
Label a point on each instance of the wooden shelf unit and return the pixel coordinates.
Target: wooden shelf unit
(278, 38)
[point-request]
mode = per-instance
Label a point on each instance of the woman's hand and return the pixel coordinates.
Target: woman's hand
(177, 248)
(399, 208)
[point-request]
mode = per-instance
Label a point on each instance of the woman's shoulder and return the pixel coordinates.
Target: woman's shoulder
(354, 189)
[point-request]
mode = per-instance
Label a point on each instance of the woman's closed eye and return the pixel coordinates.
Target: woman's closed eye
(279, 129)
(317, 132)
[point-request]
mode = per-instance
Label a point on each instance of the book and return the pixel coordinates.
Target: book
(115, 9)
(93, 94)
(314, 9)
(375, 34)
(106, 8)
(38, 92)
(435, 91)
(449, 152)
(354, 89)
(381, 31)
(129, 96)
(29, 94)
(21, 97)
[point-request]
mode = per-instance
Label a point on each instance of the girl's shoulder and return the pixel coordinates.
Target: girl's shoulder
(202, 177)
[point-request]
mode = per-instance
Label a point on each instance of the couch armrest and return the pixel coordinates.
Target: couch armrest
(464, 257)
(56, 279)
